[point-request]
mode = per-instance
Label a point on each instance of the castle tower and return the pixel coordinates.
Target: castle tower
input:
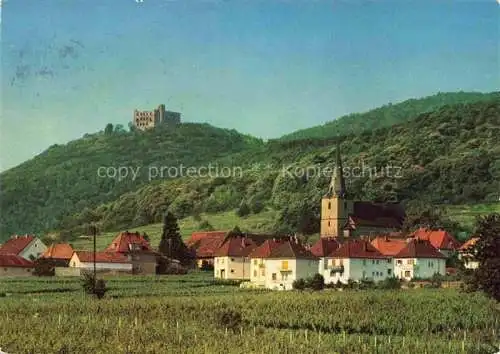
(335, 208)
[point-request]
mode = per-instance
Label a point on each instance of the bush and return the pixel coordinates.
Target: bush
(229, 319)
(205, 225)
(317, 282)
(389, 283)
(243, 210)
(299, 284)
(88, 281)
(436, 281)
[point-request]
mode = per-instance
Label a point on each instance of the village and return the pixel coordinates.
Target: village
(359, 241)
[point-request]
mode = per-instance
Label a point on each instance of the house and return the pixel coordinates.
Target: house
(343, 217)
(442, 240)
(466, 254)
(231, 259)
(322, 249)
(419, 259)
(356, 260)
(14, 265)
(137, 250)
(388, 246)
(204, 244)
(28, 247)
(276, 264)
(59, 254)
(105, 261)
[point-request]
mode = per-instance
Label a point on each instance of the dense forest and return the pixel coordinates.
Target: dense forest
(387, 115)
(450, 155)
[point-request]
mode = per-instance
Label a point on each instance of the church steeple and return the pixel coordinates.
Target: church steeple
(337, 183)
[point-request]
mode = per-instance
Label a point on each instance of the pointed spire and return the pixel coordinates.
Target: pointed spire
(337, 183)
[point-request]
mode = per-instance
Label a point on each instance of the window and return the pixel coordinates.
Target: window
(284, 276)
(341, 262)
(329, 206)
(284, 265)
(262, 272)
(399, 262)
(389, 271)
(255, 274)
(364, 262)
(328, 223)
(232, 259)
(274, 276)
(232, 270)
(364, 274)
(373, 274)
(373, 261)
(377, 261)
(407, 274)
(410, 261)
(334, 262)
(388, 260)
(254, 262)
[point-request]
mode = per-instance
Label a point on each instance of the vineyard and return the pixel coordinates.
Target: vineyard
(194, 314)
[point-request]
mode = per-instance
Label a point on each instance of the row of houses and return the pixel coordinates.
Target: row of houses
(275, 263)
(127, 253)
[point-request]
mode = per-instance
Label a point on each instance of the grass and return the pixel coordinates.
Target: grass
(193, 314)
(466, 214)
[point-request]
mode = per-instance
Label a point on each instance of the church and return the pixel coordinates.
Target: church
(343, 218)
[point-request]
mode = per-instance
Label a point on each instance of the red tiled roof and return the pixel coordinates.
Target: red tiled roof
(324, 246)
(440, 239)
(58, 251)
(388, 246)
(264, 250)
(204, 235)
(235, 247)
(16, 244)
(281, 249)
(123, 242)
(469, 244)
(356, 249)
(13, 260)
(101, 257)
(419, 249)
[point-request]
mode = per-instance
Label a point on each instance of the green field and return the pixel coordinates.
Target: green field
(466, 215)
(194, 314)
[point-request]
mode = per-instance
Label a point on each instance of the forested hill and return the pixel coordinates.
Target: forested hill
(388, 115)
(451, 155)
(64, 180)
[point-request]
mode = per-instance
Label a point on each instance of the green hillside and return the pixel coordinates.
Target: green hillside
(36, 195)
(388, 115)
(449, 156)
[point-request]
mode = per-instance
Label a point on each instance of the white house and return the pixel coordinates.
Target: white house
(356, 260)
(105, 261)
(231, 259)
(466, 254)
(28, 247)
(419, 259)
(276, 264)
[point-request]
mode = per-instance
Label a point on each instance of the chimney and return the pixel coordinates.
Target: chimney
(386, 238)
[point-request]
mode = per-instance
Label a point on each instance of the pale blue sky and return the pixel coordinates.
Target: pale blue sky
(262, 67)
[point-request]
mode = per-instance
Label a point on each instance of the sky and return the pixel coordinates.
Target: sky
(265, 68)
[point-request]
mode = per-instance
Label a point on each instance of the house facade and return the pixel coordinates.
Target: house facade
(276, 264)
(419, 259)
(28, 247)
(466, 254)
(15, 266)
(356, 260)
(105, 261)
(231, 260)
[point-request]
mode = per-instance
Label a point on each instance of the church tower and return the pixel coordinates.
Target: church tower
(335, 208)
